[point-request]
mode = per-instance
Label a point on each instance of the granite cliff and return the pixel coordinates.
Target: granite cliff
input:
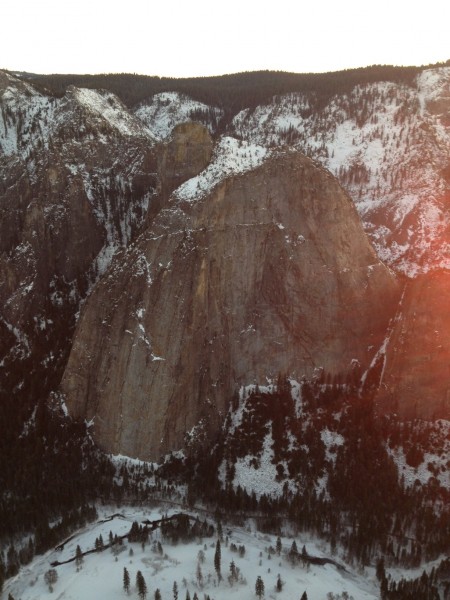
(267, 271)
(415, 381)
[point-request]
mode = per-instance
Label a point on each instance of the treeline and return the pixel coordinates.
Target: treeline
(233, 92)
(428, 586)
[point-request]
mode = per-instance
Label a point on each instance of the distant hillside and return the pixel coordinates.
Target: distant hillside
(232, 93)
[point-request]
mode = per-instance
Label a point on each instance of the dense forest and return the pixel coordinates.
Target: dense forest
(231, 93)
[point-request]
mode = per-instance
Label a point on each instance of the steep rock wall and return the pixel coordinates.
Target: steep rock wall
(271, 271)
(416, 377)
(183, 155)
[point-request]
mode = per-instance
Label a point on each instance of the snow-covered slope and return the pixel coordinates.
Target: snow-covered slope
(389, 145)
(164, 111)
(30, 119)
(231, 157)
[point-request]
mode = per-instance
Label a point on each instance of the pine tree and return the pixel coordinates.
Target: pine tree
(78, 558)
(157, 594)
(141, 585)
(220, 530)
(278, 547)
(217, 559)
(126, 580)
(12, 562)
(259, 587)
(304, 596)
(279, 586)
(233, 572)
(380, 572)
(293, 553)
(99, 545)
(175, 590)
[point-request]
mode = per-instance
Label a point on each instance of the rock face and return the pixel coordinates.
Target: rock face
(185, 154)
(78, 176)
(416, 378)
(270, 271)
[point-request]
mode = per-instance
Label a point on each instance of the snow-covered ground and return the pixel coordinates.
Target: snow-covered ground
(101, 574)
(164, 111)
(107, 107)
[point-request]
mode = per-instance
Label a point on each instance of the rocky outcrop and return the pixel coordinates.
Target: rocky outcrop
(183, 155)
(270, 271)
(416, 377)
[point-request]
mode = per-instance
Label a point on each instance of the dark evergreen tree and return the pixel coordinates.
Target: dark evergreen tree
(259, 587)
(380, 572)
(126, 580)
(12, 562)
(217, 560)
(175, 590)
(278, 546)
(233, 572)
(157, 594)
(78, 558)
(141, 585)
(293, 553)
(304, 596)
(220, 530)
(279, 585)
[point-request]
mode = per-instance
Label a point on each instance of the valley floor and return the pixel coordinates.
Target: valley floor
(101, 573)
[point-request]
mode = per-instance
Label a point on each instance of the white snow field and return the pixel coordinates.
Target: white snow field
(101, 574)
